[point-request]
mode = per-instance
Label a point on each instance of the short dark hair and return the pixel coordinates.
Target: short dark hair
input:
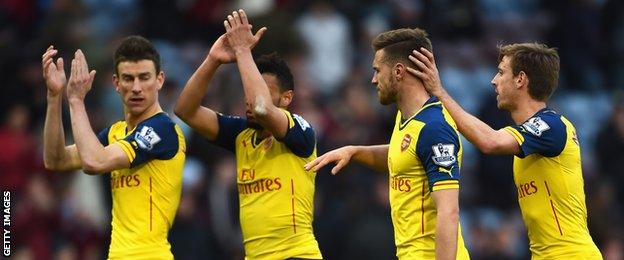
(538, 61)
(135, 48)
(398, 44)
(274, 64)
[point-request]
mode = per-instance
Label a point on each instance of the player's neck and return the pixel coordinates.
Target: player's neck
(133, 120)
(411, 99)
(525, 110)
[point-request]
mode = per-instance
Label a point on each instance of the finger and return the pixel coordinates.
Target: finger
(311, 164)
(46, 66)
(92, 75)
(231, 20)
(338, 166)
(416, 73)
(243, 16)
(84, 63)
(258, 36)
(320, 164)
(48, 55)
(260, 33)
(60, 66)
(227, 25)
(80, 68)
(48, 50)
(428, 54)
(72, 73)
(418, 63)
(421, 57)
(237, 18)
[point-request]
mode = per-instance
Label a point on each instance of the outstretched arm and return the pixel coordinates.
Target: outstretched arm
(56, 156)
(95, 158)
(486, 139)
(373, 156)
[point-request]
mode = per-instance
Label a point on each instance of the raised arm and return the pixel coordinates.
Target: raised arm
(56, 156)
(95, 158)
(257, 94)
(188, 107)
(373, 156)
(486, 139)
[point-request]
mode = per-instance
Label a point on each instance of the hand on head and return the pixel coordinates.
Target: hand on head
(427, 70)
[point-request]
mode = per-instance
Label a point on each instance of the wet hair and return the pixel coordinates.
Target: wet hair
(398, 44)
(136, 48)
(275, 65)
(539, 62)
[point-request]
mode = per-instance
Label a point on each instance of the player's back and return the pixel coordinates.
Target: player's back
(549, 179)
(424, 156)
(145, 196)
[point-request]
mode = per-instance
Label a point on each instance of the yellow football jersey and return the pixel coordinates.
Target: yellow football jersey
(145, 196)
(424, 156)
(276, 194)
(549, 180)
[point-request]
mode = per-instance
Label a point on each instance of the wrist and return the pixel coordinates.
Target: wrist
(212, 60)
(54, 96)
(241, 51)
(75, 101)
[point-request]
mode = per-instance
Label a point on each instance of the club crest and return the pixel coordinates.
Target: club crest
(407, 139)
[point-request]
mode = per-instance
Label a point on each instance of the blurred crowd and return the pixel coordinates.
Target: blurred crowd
(65, 215)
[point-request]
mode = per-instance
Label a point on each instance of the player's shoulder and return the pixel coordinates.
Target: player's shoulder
(154, 129)
(431, 113)
(545, 122)
(299, 120)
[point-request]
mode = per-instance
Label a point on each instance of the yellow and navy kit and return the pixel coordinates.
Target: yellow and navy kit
(145, 196)
(549, 180)
(276, 194)
(424, 156)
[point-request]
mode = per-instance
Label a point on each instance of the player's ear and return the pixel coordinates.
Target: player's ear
(399, 71)
(286, 98)
(521, 79)
(116, 82)
(160, 77)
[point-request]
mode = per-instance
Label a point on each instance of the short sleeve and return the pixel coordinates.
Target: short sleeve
(229, 128)
(154, 138)
(102, 136)
(300, 137)
(437, 148)
(544, 135)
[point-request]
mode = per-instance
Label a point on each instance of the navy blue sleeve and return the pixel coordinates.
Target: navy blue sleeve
(102, 136)
(300, 138)
(229, 128)
(154, 138)
(437, 148)
(544, 134)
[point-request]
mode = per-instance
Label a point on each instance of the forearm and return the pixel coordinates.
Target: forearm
(90, 150)
(191, 96)
(476, 131)
(53, 134)
(255, 88)
(373, 156)
(446, 235)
